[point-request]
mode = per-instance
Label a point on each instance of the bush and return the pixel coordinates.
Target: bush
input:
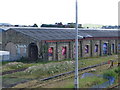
(50, 69)
(112, 72)
(117, 70)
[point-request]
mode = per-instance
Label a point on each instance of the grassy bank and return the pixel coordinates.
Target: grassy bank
(84, 82)
(45, 69)
(88, 82)
(114, 72)
(42, 70)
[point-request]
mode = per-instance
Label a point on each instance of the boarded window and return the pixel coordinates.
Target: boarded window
(86, 48)
(50, 51)
(105, 48)
(64, 50)
(96, 48)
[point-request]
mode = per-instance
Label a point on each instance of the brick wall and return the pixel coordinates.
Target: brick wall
(17, 43)
(95, 48)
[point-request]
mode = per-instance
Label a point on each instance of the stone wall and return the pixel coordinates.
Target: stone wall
(95, 48)
(86, 48)
(17, 43)
(61, 54)
(54, 51)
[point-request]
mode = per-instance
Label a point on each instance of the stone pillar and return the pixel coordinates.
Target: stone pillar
(109, 47)
(116, 47)
(100, 48)
(91, 48)
(81, 52)
(56, 52)
(69, 56)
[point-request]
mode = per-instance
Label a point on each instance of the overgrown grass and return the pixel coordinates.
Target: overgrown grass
(90, 81)
(14, 65)
(24, 63)
(94, 60)
(114, 72)
(45, 69)
(86, 82)
(41, 70)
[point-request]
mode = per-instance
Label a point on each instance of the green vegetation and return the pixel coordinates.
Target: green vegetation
(90, 81)
(86, 82)
(45, 69)
(13, 66)
(114, 72)
(95, 60)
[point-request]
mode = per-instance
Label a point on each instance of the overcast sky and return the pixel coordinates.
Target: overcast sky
(29, 12)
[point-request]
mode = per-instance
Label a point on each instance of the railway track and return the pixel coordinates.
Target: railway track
(63, 76)
(113, 87)
(67, 73)
(13, 71)
(22, 69)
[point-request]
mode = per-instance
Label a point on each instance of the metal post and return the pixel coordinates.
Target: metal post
(76, 82)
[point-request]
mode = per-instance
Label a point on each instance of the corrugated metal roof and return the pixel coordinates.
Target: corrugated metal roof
(64, 33)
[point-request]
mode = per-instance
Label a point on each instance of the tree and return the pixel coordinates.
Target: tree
(35, 25)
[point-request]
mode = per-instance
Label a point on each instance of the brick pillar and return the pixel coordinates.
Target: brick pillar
(91, 48)
(81, 51)
(100, 48)
(56, 51)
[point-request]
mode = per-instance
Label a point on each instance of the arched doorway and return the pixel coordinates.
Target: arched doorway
(11, 47)
(32, 51)
(64, 52)
(105, 48)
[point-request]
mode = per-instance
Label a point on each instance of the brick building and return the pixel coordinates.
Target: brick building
(59, 43)
(1, 31)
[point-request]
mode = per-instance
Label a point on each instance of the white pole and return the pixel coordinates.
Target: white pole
(76, 82)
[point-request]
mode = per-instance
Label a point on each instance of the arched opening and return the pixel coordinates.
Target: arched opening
(11, 47)
(113, 48)
(64, 51)
(51, 53)
(32, 51)
(105, 48)
(96, 48)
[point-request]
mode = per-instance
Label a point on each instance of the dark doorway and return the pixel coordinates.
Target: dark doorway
(33, 51)
(105, 48)
(64, 51)
(113, 48)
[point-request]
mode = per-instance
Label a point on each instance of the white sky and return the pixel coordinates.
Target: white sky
(29, 12)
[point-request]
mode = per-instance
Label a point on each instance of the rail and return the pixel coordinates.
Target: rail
(67, 73)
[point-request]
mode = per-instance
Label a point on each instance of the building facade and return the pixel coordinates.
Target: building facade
(58, 44)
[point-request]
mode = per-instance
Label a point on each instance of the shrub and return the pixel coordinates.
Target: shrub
(112, 72)
(117, 70)
(50, 69)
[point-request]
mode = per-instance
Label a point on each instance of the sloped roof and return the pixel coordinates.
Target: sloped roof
(64, 33)
(1, 30)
